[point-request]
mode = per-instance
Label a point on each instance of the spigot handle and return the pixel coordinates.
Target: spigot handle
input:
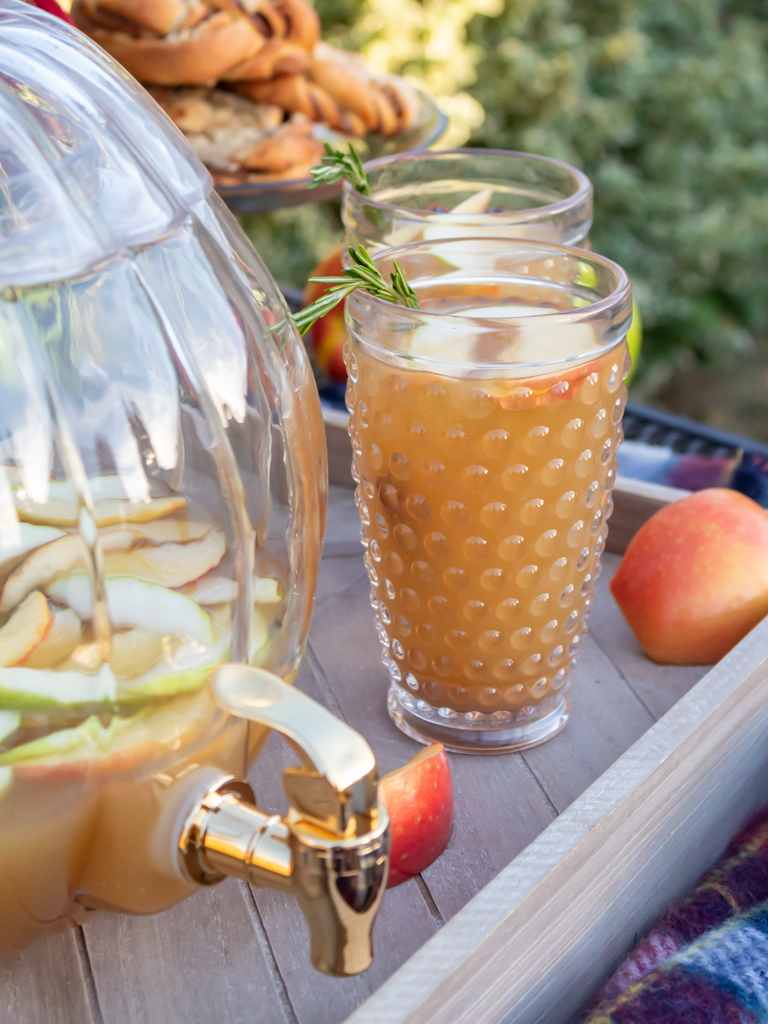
(331, 850)
(337, 785)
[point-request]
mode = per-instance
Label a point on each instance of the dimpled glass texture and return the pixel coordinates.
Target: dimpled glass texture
(162, 481)
(484, 505)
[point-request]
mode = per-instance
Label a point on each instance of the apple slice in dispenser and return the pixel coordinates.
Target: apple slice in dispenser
(133, 603)
(24, 629)
(111, 504)
(172, 565)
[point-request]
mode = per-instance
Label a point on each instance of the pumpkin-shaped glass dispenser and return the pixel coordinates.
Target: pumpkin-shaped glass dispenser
(162, 484)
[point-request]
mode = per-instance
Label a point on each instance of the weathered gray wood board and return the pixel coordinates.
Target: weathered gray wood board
(239, 956)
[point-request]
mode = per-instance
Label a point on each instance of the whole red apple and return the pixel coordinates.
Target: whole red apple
(694, 579)
(328, 333)
(419, 799)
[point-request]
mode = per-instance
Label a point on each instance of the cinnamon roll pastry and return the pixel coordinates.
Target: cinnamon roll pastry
(276, 57)
(198, 53)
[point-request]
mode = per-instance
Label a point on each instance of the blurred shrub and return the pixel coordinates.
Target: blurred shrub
(293, 241)
(664, 104)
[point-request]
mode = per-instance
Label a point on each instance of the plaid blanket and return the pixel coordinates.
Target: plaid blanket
(706, 960)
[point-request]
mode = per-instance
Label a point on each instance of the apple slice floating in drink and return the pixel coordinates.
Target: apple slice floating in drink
(24, 629)
(173, 565)
(9, 723)
(38, 690)
(133, 603)
(55, 559)
(111, 504)
(93, 748)
(64, 635)
(30, 537)
(176, 528)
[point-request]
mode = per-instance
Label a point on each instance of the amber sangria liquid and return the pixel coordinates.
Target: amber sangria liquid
(484, 501)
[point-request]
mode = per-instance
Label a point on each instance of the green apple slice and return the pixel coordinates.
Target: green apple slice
(55, 559)
(93, 749)
(92, 736)
(138, 605)
(136, 652)
(259, 639)
(267, 590)
(6, 778)
(9, 723)
(41, 690)
(167, 684)
(183, 670)
(173, 565)
(59, 642)
(25, 629)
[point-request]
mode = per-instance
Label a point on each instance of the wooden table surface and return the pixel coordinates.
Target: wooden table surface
(233, 955)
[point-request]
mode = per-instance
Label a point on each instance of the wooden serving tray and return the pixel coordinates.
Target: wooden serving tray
(559, 856)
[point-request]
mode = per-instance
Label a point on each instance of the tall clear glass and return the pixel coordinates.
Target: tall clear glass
(484, 428)
(468, 192)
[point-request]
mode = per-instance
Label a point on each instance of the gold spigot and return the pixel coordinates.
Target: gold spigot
(331, 850)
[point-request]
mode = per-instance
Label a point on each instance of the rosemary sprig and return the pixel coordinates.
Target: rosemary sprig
(364, 274)
(335, 165)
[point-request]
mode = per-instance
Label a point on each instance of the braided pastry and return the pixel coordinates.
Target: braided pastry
(289, 148)
(268, 52)
(298, 95)
(276, 57)
(158, 16)
(196, 42)
(198, 55)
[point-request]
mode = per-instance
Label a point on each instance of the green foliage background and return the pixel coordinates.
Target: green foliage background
(663, 103)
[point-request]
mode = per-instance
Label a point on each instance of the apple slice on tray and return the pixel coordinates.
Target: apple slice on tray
(419, 800)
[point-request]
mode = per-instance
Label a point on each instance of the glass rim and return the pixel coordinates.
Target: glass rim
(620, 294)
(583, 192)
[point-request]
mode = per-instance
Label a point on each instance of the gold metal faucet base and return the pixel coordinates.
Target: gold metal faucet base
(331, 851)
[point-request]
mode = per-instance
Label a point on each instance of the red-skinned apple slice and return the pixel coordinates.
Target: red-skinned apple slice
(54, 559)
(172, 565)
(29, 538)
(25, 629)
(59, 642)
(419, 800)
